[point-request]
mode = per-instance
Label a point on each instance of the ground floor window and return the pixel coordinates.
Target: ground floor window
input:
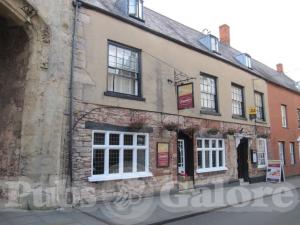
(281, 152)
(261, 153)
(292, 153)
(119, 155)
(211, 155)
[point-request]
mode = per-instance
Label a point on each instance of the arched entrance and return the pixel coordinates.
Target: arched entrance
(14, 56)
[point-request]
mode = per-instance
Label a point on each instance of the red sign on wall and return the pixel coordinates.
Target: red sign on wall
(185, 94)
(162, 154)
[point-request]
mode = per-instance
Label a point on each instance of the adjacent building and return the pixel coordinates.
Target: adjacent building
(284, 103)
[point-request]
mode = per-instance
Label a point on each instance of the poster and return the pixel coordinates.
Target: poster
(185, 94)
(275, 172)
(162, 154)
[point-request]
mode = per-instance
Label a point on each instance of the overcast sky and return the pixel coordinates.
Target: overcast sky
(267, 30)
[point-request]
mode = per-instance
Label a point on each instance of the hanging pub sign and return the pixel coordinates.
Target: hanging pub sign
(252, 113)
(185, 95)
(162, 154)
(275, 171)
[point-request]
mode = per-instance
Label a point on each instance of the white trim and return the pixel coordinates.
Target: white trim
(207, 170)
(124, 176)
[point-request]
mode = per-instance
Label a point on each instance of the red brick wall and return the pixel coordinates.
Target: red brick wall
(277, 97)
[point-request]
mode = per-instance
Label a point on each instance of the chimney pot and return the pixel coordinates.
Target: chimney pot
(279, 68)
(225, 34)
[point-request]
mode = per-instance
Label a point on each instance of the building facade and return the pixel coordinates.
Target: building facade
(128, 127)
(33, 96)
(284, 103)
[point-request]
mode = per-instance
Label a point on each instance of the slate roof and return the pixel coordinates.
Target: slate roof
(188, 36)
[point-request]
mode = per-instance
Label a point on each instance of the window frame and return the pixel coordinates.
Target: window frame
(214, 43)
(284, 123)
(265, 153)
(292, 154)
(139, 10)
(248, 61)
(210, 150)
(243, 101)
(261, 95)
(106, 176)
(205, 109)
(139, 73)
(298, 115)
(283, 151)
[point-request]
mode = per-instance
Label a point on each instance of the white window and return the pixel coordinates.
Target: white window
(260, 115)
(283, 116)
(292, 153)
(237, 97)
(262, 155)
(136, 8)
(119, 155)
(123, 70)
(281, 152)
(208, 95)
(248, 61)
(211, 155)
(214, 43)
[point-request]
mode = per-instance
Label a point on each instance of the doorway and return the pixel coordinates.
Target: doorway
(242, 160)
(185, 155)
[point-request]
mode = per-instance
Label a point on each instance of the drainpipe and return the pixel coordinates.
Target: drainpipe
(70, 144)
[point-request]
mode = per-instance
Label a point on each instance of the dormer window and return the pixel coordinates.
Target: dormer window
(211, 42)
(136, 9)
(244, 59)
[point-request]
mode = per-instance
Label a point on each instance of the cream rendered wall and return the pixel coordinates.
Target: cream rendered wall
(160, 96)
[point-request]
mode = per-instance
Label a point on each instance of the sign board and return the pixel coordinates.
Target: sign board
(185, 95)
(252, 113)
(162, 154)
(275, 171)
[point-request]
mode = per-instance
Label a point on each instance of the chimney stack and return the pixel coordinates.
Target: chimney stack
(279, 68)
(225, 34)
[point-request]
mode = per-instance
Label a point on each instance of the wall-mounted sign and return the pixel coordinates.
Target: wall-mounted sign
(185, 93)
(252, 113)
(253, 156)
(275, 171)
(162, 154)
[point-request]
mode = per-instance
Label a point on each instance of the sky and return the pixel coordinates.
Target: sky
(268, 30)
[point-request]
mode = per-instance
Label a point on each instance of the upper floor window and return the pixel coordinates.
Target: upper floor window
(211, 42)
(283, 116)
(298, 112)
(123, 70)
(245, 59)
(208, 93)
(136, 8)
(237, 97)
(259, 103)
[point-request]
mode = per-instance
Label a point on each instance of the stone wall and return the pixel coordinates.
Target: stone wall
(107, 190)
(14, 54)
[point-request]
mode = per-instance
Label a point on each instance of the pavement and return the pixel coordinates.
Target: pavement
(164, 209)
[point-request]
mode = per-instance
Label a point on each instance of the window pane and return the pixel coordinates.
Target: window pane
(98, 161)
(206, 143)
(113, 161)
(128, 161)
(220, 144)
(199, 143)
(141, 140)
(214, 143)
(200, 165)
(141, 158)
(207, 159)
(128, 139)
(214, 159)
(221, 161)
(99, 138)
(114, 139)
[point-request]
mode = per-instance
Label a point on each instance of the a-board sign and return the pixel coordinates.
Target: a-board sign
(275, 171)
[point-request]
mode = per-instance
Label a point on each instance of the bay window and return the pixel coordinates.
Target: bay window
(119, 155)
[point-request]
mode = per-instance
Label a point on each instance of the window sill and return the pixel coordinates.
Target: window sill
(125, 96)
(261, 121)
(96, 178)
(239, 117)
(218, 169)
(262, 167)
(207, 112)
(137, 18)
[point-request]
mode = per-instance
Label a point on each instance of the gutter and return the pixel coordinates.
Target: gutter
(125, 20)
(77, 5)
